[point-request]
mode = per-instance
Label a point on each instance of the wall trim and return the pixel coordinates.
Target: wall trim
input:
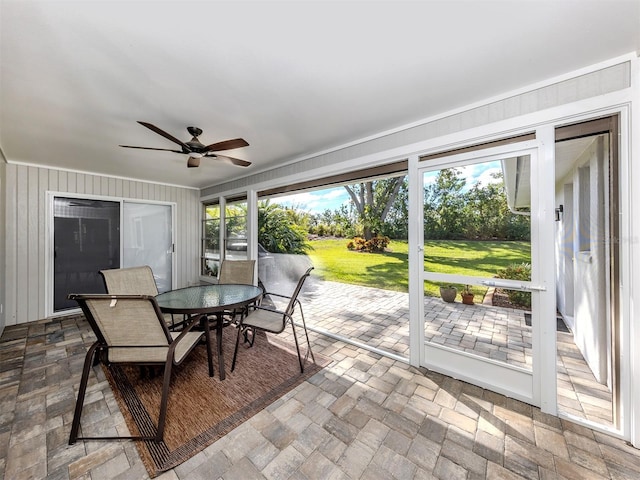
(97, 174)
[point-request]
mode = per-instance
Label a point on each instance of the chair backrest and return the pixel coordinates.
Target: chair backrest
(130, 281)
(131, 326)
(294, 296)
(237, 271)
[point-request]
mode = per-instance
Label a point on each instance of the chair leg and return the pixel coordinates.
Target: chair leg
(75, 424)
(235, 351)
(306, 333)
(245, 333)
(219, 326)
(164, 402)
(295, 337)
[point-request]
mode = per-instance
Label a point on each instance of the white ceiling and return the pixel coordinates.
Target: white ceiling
(292, 78)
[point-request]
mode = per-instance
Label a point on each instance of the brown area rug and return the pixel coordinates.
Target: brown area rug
(203, 409)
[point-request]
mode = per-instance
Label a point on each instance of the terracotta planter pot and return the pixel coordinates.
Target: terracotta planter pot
(467, 298)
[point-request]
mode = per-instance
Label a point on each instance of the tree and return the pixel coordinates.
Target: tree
(443, 205)
(489, 216)
(373, 200)
(397, 221)
(486, 210)
(282, 230)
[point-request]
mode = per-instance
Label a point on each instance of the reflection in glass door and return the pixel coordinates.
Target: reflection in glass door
(148, 240)
(479, 268)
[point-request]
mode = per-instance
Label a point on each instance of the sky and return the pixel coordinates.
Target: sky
(318, 201)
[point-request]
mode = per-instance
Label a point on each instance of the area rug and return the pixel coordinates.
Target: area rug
(202, 409)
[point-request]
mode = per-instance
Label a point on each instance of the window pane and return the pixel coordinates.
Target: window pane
(236, 230)
(211, 240)
(483, 205)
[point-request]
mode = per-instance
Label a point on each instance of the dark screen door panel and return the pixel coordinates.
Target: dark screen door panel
(86, 240)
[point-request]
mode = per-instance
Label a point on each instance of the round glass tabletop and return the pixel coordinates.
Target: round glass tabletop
(207, 298)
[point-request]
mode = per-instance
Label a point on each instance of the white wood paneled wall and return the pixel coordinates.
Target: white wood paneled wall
(3, 240)
(582, 86)
(25, 212)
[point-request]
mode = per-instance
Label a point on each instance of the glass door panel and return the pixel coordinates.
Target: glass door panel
(148, 240)
(477, 246)
(86, 239)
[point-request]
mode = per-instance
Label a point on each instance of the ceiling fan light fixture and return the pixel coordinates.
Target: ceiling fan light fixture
(196, 149)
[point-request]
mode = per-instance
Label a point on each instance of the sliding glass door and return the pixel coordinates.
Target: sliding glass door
(90, 235)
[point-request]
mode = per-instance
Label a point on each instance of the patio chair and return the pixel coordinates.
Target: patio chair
(236, 272)
(274, 321)
(130, 330)
(134, 281)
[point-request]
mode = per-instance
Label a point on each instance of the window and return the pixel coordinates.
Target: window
(234, 218)
(210, 240)
(235, 221)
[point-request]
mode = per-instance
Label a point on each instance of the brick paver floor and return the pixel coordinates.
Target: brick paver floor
(365, 416)
(380, 319)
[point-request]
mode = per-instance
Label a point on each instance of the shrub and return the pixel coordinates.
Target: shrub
(357, 243)
(517, 271)
(376, 244)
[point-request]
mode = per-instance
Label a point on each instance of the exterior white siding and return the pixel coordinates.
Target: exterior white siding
(24, 229)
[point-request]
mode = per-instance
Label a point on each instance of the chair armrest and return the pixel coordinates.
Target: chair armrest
(278, 312)
(258, 307)
(109, 347)
(277, 295)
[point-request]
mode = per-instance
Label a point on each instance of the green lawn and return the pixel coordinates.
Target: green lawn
(389, 270)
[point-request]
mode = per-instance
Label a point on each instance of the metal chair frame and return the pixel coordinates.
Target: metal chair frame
(101, 347)
(245, 323)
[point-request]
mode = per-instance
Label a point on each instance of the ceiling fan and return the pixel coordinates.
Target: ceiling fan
(195, 149)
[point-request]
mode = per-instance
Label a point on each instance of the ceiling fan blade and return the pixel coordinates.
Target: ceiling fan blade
(231, 160)
(226, 145)
(165, 135)
(152, 148)
(193, 162)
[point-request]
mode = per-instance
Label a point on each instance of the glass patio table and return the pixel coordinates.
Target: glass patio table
(203, 301)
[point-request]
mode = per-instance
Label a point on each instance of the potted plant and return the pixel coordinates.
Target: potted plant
(467, 295)
(448, 293)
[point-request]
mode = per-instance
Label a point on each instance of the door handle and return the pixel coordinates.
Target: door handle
(512, 286)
